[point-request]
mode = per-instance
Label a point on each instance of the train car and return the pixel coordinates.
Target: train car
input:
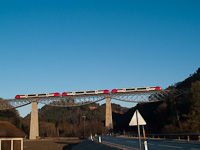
(91, 92)
(155, 88)
(37, 95)
(151, 88)
(67, 93)
(102, 91)
(118, 90)
(123, 90)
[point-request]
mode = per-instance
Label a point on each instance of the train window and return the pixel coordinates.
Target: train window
(119, 89)
(69, 92)
(80, 92)
(101, 91)
(141, 88)
(41, 94)
(31, 95)
(90, 91)
(130, 89)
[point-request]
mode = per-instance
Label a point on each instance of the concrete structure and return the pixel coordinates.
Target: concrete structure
(109, 122)
(34, 129)
(11, 138)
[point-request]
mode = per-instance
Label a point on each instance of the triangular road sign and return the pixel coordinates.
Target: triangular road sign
(133, 121)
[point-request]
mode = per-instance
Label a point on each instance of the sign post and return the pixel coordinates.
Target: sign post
(145, 142)
(138, 120)
(138, 128)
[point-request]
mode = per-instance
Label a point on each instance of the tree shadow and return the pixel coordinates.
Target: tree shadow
(69, 146)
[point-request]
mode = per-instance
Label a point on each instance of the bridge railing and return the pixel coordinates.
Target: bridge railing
(179, 137)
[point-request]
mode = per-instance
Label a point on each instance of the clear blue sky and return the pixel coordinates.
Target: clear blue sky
(59, 45)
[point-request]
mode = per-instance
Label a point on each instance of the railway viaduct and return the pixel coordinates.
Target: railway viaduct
(72, 101)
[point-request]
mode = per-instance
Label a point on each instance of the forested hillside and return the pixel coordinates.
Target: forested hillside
(58, 121)
(11, 116)
(174, 115)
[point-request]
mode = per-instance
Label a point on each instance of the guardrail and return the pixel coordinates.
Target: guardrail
(186, 136)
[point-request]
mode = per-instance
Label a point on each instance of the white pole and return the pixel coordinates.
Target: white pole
(91, 137)
(22, 144)
(12, 144)
(138, 128)
(145, 145)
(99, 139)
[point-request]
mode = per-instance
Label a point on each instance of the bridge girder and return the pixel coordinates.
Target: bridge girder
(72, 101)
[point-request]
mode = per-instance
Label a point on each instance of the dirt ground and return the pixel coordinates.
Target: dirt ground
(51, 144)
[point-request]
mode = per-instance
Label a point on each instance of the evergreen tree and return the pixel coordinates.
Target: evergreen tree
(194, 115)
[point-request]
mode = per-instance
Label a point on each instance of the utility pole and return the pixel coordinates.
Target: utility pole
(84, 117)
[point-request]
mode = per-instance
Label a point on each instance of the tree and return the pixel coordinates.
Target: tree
(195, 97)
(65, 129)
(47, 129)
(194, 115)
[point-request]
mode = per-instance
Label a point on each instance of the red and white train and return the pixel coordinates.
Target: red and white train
(86, 92)
(91, 92)
(37, 95)
(138, 89)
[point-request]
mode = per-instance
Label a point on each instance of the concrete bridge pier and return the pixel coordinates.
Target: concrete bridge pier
(109, 121)
(34, 129)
